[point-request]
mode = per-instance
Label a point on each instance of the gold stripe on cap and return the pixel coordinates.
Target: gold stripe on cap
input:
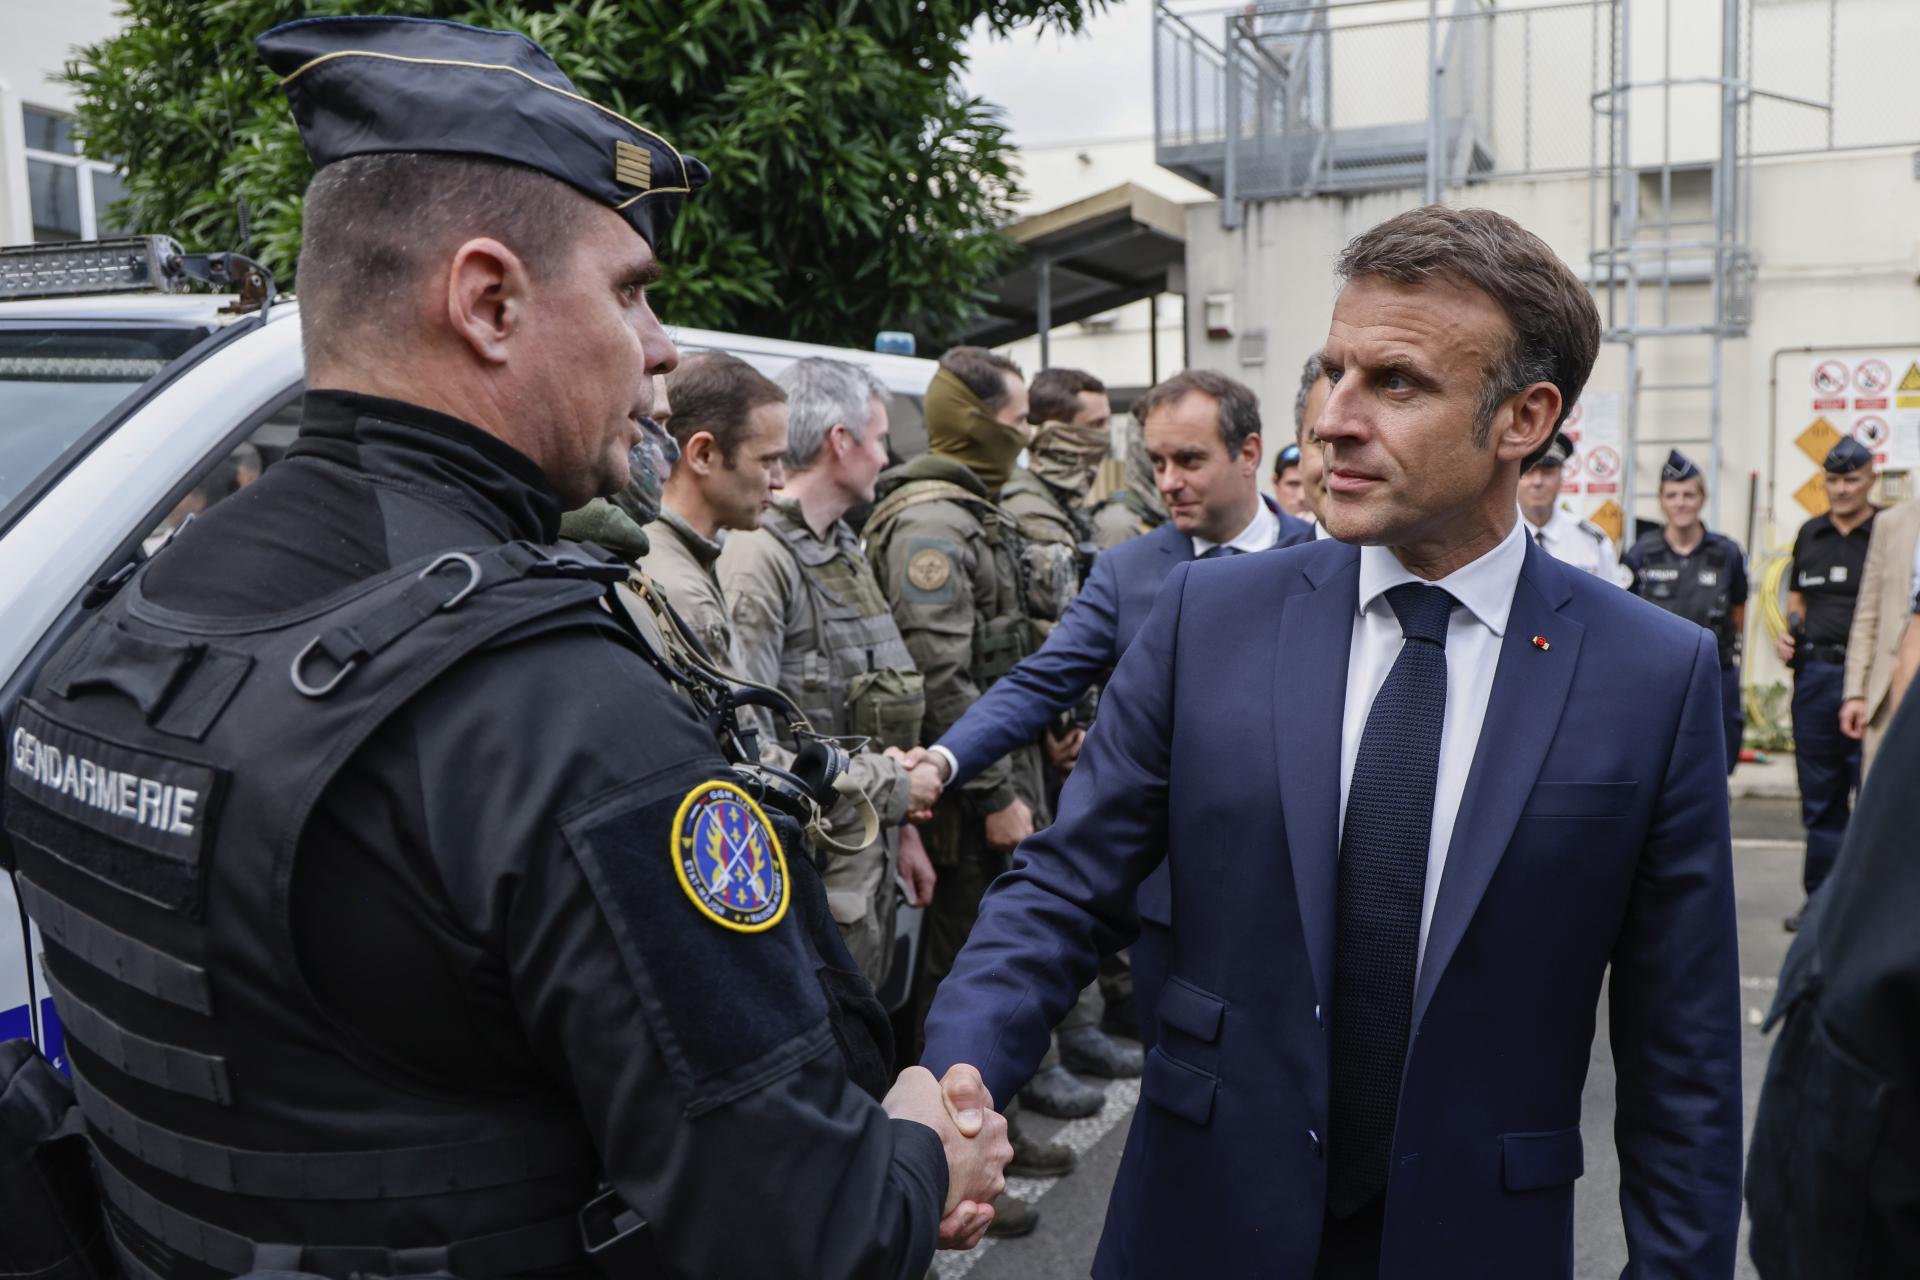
(494, 66)
(632, 166)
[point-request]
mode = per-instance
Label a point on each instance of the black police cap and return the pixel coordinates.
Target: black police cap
(367, 86)
(1848, 455)
(1558, 450)
(1678, 467)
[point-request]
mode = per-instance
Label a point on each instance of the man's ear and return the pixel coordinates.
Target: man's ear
(1250, 450)
(487, 297)
(700, 454)
(1526, 422)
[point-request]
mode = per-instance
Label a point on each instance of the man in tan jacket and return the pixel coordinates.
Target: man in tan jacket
(1887, 589)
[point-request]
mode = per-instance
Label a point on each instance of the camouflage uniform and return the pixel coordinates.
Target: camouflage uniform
(949, 560)
(681, 563)
(809, 619)
(1135, 507)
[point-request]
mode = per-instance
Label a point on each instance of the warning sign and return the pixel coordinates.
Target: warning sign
(1603, 469)
(1912, 381)
(1817, 440)
(1829, 404)
(1871, 431)
(1609, 517)
(1872, 376)
(1830, 377)
(1878, 404)
(1812, 495)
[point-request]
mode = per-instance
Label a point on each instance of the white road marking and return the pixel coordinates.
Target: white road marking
(1080, 1136)
(1756, 842)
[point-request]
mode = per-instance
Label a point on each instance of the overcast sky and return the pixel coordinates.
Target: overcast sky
(1060, 89)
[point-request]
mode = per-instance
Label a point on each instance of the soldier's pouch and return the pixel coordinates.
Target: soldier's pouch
(699, 892)
(1052, 576)
(887, 706)
(997, 646)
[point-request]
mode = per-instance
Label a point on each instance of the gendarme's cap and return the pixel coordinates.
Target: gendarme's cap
(366, 86)
(1848, 455)
(1556, 454)
(1678, 467)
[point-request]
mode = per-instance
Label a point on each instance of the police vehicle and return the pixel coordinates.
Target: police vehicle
(123, 398)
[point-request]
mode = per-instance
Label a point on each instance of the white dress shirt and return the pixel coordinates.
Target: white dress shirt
(1483, 591)
(1571, 540)
(1260, 535)
(1320, 533)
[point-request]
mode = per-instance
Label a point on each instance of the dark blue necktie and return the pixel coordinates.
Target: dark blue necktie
(1220, 552)
(1382, 881)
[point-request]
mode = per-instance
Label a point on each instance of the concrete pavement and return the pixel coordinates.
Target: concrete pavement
(1767, 854)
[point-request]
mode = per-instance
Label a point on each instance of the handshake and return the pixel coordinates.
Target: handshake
(974, 1136)
(926, 775)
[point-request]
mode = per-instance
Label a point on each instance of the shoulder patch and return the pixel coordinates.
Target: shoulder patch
(929, 569)
(728, 859)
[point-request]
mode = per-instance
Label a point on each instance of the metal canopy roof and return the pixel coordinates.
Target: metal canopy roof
(1083, 259)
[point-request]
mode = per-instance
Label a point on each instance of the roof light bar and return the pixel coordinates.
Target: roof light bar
(154, 263)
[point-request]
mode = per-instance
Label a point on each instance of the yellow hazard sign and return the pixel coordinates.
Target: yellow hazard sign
(1819, 438)
(1812, 495)
(1610, 517)
(1906, 402)
(1912, 381)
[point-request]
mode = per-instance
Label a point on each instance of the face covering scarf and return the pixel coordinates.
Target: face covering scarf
(959, 427)
(1066, 455)
(649, 461)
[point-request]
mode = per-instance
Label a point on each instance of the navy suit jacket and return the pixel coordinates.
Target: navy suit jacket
(1593, 832)
(1083, 647)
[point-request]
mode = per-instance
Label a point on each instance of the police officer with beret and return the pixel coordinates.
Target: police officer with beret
(1561, 534)
(401, 919)
(1829, 557)
(1700, 575)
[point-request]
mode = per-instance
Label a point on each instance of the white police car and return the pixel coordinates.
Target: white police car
(122, 403)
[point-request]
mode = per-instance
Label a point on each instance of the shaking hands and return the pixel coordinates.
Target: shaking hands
(926, 776)
(959, 1108)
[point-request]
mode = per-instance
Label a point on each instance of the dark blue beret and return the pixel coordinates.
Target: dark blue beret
(366, 86)
(1678, 467)
(1848, 455)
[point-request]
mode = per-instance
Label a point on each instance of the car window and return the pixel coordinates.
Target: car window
(56, 383)
(226, 475)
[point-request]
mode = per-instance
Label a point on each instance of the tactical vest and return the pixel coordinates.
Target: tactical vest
(161, 775)
(1007, 635)
(856, 678)
(1698, 587)
(1053, 554)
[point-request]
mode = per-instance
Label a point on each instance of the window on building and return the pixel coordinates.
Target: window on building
(72, 197)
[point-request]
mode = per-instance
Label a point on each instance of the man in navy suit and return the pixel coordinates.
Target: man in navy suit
(1418, 790)
(1202, 432)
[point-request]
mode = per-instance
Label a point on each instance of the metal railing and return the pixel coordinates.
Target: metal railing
(1305, 97)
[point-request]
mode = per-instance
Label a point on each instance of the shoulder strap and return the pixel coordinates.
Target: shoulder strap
(916, 493)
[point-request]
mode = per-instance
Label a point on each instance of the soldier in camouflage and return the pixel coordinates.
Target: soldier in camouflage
(950, 561)
(1135, 507)
(809, 618)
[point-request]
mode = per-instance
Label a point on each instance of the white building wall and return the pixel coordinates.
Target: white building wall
(38, 40)
(1115, 347)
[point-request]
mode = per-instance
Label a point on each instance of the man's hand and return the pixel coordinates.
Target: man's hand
(926, 779)
(977, 1154)
(915, 867)
(1783, 646)
(1063, 752)
(1853, 717)
(1009, 826)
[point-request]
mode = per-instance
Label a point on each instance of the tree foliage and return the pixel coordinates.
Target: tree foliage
(855, 186)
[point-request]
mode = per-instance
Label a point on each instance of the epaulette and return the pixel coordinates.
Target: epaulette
(1589, 527)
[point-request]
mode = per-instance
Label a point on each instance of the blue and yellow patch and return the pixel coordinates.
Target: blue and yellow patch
(728, 859)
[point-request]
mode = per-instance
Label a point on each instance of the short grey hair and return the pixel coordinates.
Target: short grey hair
(1310, 372)
(820, 394)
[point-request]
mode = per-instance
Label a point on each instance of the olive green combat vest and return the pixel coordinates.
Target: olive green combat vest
(1005, 637)
(1053, 534)
(856, 679)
